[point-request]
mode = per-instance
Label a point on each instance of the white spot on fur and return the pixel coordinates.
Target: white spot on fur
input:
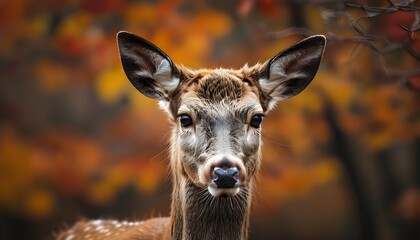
(70, 237)
(99, 228)
(97, 222)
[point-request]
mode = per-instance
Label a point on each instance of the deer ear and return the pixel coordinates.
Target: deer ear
(147, 67)
(290, 71)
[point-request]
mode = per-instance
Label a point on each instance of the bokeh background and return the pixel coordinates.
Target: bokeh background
(341, 160)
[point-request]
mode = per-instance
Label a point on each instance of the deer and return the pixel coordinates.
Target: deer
(215, 143)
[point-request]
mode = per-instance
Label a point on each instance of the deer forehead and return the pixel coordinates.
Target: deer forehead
(222, 90)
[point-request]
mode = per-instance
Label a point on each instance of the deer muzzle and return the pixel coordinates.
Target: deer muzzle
(225, 178)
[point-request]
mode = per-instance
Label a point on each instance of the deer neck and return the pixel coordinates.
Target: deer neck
(198, 215)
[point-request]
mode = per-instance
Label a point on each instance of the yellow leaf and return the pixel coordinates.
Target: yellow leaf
(378, 140)
(215, 23)
(141, 13)
(100, 193)
(324, 171)
(149, 176)
(112, 83)
(75, 25)
(39, 203)
(104, 190)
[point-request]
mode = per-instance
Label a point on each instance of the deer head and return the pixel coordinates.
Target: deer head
(217, 114)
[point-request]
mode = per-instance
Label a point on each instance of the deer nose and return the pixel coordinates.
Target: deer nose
(225, 178)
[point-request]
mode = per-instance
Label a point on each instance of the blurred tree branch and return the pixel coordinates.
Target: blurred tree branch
(339, 15)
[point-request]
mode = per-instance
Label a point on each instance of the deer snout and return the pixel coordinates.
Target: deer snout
(224, 175)
(225, 178)
(226, 171)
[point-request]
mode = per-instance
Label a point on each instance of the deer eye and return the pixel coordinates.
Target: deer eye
(185, 120)
(256, 120)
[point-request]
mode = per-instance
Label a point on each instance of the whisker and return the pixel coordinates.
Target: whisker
(265, 136)
(166, 149)
(231, 204)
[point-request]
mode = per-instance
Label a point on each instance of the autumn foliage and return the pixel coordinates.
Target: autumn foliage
(77, 140)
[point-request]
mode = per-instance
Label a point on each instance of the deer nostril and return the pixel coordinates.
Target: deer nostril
(225, 178)
(219, 172)
(232, 171)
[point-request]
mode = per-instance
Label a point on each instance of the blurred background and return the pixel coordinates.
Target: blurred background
(341, 160)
